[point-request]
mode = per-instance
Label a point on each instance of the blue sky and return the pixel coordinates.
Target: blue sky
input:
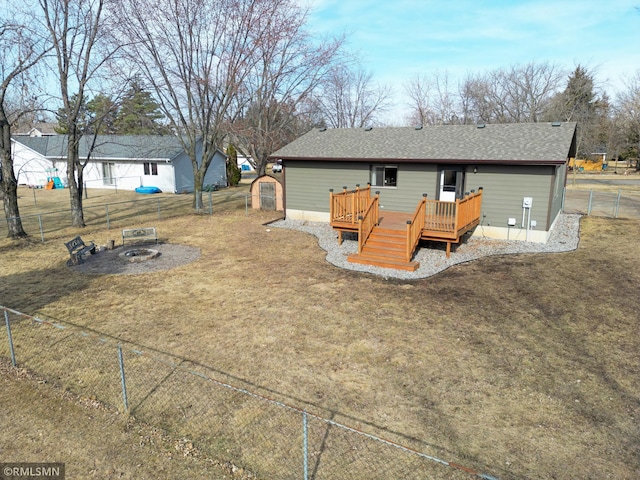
(399, 39)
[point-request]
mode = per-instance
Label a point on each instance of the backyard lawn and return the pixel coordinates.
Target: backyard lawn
(523, 366)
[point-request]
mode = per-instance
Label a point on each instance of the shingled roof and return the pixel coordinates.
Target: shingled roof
(120, 147)
(514, 143)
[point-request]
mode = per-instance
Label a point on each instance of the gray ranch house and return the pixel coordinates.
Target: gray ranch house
(515, 174)
(115, 161)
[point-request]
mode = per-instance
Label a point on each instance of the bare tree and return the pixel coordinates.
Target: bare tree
(432, 101)
(195, 57)
(628, 117)
(288, 67)
(518, 94)
(419, 90)
(20, 50)
(75, 30)
(350, 99)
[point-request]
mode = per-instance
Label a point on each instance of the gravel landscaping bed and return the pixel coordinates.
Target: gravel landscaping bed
(110, 262)
(564, 238)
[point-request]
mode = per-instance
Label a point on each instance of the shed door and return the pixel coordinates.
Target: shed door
(267, 196)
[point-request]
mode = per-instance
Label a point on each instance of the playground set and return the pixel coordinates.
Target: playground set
(53, 181)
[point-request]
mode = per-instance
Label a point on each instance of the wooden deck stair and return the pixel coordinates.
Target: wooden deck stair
(385, 248)
(389, 239)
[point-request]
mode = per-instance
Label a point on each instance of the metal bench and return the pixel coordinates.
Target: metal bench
(77, 248)
(138, 234)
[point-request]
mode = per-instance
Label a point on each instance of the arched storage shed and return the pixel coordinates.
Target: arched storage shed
(267, 193)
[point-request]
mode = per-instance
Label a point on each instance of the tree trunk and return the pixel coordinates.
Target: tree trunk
(198, 181)
(9, 184)
(75, 190)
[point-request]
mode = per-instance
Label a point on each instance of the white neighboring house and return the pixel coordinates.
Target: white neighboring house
(244, 165)
(116, 161)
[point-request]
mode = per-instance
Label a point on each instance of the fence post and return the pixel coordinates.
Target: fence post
(246, 205)
(590, 201)
(41, 230)
(8, 324)
(617, 205)
(123, 379)
(210, 203)
(305, 445)
(107, 210)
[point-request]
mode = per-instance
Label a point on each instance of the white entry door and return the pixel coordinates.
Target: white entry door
(448, 179)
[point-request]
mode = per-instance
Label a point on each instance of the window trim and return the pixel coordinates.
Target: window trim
(383, 168)
(150, 168)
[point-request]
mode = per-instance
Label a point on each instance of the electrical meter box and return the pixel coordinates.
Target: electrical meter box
(511, 222)
(527, 202)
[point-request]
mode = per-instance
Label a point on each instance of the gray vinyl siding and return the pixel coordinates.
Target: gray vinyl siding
(307, 188)
(506, 186)
(557, 185)
(413, 181)
(308, 184)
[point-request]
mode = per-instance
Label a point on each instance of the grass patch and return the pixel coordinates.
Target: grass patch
(523, 366)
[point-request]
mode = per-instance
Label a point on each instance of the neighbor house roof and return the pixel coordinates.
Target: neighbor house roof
(514, 143)
(116, 147)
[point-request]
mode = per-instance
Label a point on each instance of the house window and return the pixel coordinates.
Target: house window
(384, 176)
(150, 168)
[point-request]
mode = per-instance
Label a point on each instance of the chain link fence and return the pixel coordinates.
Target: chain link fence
(268, 438)
(603, 204)
(125, 213)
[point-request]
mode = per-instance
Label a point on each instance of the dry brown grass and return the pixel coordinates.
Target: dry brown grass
(41, 424)
(592, 181)
(521, 366)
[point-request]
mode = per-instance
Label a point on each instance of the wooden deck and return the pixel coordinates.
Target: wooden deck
(389, 239)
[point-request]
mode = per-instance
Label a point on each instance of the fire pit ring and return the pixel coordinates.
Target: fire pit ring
(137, 255)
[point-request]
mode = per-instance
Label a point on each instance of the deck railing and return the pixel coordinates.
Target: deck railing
(450, 218)
(348, 205)
(415, 227)
(468, 210)
(367, 221)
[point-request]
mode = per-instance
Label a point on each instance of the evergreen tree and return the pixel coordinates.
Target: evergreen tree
(96, 116)
(580, 103)
(82, 121)
(139, 113)
(102, 112)
(233, 172)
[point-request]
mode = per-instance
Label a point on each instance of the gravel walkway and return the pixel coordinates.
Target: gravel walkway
(564, 238)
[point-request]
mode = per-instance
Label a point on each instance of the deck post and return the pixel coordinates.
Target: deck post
(331, 204)
(360, 240)
(408, 244)
(455, 219)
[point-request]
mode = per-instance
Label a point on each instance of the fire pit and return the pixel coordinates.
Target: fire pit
(137, 255)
